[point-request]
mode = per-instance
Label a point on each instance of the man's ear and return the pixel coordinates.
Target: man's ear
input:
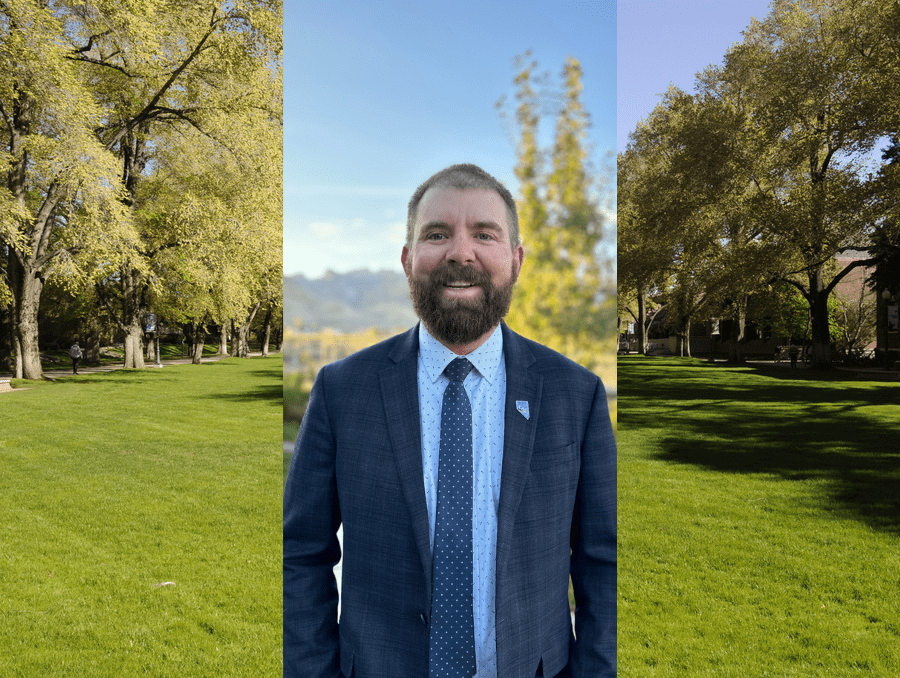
(405, 260)
(518, 257)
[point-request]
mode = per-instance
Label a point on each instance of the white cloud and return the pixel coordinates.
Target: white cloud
(312, 247)
(397, 233)
(324, 230)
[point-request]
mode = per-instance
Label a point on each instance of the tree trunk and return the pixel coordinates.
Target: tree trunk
(27, 285)
(17, 358)
(6, 339)
(736, 345)
(92, 338)
(640, 325)
(821, 331)
(195, 334)
(267, 332)
(197, 350)
(132, 321)
(134, 344)
(687, 338)
(223, 338)
(241, 341)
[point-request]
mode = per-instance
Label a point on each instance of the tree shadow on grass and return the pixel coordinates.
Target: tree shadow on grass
(267, 374)
(121, 376)
(270, 392)
(845, 432)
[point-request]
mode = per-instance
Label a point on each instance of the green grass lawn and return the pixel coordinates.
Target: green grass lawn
(759, 522)
(112, 485)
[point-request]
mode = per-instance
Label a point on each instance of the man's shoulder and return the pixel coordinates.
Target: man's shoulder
(552, 365)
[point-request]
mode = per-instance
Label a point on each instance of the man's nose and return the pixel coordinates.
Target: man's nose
(460, 250)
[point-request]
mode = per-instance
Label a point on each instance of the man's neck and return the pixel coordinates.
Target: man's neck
(463, 349)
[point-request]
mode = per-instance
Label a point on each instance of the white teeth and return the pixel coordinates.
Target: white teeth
(460, 284)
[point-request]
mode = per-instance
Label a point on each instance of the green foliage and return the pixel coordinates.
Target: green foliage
(757, 534)
(762, 174)
(783, 310)
(563, 298)
(132, 129)
(143, 478)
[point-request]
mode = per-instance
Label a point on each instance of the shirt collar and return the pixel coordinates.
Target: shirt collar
(435, 356)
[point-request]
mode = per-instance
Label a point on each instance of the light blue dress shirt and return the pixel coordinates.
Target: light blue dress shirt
(486, 388)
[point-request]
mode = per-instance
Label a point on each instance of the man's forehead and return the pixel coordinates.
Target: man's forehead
(478, 204)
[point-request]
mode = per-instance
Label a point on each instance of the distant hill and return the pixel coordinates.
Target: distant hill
(349, 302)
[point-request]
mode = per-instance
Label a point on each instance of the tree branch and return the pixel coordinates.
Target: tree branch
(90, 45)
(840, 276)
(99, 62)
(152, 104)
(799, 286)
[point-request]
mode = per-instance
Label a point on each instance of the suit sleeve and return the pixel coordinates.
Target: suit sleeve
(594, 548)
(311, 548)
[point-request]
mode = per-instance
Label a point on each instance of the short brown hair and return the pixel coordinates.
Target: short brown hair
(464, 176)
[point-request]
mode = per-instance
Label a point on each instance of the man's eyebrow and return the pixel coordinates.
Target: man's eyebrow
(435, 224)
(432, 226)
(490, 225)
(438, 224)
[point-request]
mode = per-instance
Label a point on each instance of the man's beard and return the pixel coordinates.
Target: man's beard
(459, 321)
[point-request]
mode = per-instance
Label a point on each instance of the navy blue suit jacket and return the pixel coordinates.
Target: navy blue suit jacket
(358, 462)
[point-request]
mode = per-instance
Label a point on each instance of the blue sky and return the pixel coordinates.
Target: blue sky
(380, 95)
(663, 42)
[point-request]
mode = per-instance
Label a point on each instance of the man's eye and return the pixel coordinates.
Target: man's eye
(485, 236)
(435, 236)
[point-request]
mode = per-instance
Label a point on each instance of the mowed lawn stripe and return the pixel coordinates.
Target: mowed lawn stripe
(114, 484)
(759, 513)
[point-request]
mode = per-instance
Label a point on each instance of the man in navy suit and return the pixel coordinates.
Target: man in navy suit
(541, 497)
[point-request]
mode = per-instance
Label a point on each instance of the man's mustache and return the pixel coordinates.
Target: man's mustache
(450, 272)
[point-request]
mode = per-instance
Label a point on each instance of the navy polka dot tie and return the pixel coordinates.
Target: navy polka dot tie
(452, 650)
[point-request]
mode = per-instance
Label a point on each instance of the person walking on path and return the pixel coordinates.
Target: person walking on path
(75, 355)
(794, 351)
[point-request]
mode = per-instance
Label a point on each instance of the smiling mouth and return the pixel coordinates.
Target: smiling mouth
(459, 285)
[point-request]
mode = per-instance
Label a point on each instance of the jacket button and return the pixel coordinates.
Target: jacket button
(424, 619)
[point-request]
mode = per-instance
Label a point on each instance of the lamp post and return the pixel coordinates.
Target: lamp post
(152, 328)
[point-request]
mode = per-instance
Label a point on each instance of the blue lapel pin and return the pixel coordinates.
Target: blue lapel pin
(522, 407)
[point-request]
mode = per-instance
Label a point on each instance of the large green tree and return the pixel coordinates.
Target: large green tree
(765, 167)
(62, 190)
(561, 298)
(815, 109)
(90, 94)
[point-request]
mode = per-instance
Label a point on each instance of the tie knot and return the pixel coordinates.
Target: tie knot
(458, 369)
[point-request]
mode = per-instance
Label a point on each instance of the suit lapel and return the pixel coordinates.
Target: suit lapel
(518, 436)
(400, 395)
